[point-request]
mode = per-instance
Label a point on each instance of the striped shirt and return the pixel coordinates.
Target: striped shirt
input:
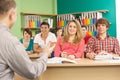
(14, 58)
(109, 44)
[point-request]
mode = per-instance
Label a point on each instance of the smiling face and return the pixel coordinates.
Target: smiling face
(26, 35)
(59, 32)
(72, 28)
(73, 32)
(84, 31)
(101, 28)
(44, 29)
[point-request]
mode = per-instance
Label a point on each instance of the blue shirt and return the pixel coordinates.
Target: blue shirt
(30, 46)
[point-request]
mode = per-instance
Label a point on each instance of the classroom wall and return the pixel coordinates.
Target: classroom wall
(71, 6)
(16, 29)
(32, 6)
(65, 6)
(118, 19)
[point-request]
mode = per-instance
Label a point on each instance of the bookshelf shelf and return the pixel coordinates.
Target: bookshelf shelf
(33, 20)
(88, 19)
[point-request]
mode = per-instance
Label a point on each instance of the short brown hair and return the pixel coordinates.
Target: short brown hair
(59, 28)
(45, 23)
(6, 5)
(28, 31)
(103, 21)
(83, 26)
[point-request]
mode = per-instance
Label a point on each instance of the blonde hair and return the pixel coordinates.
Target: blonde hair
(78, 35)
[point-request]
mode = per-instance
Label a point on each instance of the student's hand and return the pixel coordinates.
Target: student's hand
(103, 53)
(71, 57)
(118, 54)
(30, 52)
(48, 50)
(90, 55)
(64, 54)
(52, 43)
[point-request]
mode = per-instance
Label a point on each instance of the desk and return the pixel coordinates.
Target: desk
(85, 70)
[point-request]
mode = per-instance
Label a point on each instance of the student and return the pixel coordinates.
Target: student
(43, 38)
(59, 32)
(13, 57)
(71, 45)
(102, 43)
(27, 40)
(85, 34)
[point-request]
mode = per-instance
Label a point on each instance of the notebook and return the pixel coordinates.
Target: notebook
(60, 60)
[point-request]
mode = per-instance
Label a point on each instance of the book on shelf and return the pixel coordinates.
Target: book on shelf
(31, 21)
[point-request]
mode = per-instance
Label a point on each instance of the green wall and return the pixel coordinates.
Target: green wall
(32, 6)
(16, 29)
(65, 6)
(70, 6)
(38, 6)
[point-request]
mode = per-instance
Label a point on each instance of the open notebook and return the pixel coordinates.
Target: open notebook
(60, 60)
(106, 57)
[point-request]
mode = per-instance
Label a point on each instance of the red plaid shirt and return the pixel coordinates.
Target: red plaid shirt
(109, 44)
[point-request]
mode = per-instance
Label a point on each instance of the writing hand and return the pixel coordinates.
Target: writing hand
(64, 54)
(71, 57)
(91, 55)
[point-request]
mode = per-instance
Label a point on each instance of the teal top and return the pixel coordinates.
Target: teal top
(30, 46)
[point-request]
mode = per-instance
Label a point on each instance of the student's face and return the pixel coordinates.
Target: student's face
(26, 35)
(84, 30)
(101, 28)
(59, 32)
(44, 29)
(72, 28)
